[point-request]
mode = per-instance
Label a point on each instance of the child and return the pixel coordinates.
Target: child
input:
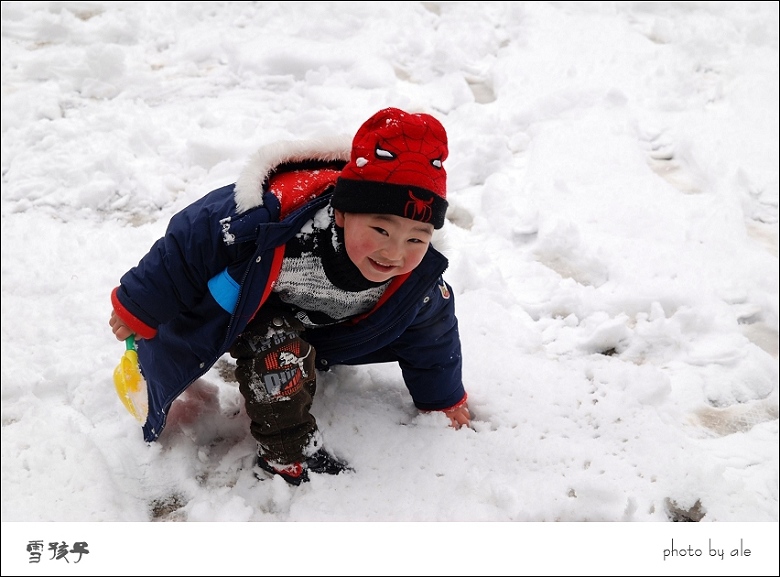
(318, 255)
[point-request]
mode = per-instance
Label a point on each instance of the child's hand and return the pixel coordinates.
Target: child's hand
(459, 416)
(121, 332)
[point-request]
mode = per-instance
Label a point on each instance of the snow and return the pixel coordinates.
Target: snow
(613, 246)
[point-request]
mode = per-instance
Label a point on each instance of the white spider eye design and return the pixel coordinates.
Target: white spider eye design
(381, 153)
(436, 163)
(361, 162)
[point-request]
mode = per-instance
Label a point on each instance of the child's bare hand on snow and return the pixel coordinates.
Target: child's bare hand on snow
(459, 416)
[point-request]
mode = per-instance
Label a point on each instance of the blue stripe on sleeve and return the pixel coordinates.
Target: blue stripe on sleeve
(224, 290)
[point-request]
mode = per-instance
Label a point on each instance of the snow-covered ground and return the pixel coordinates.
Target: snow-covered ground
(613, 245)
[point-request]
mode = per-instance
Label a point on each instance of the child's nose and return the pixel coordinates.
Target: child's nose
(392, 250)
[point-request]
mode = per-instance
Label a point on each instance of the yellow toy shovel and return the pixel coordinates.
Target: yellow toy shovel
(130, 385)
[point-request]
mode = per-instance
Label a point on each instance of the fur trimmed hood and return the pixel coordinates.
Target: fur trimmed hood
(264, 162)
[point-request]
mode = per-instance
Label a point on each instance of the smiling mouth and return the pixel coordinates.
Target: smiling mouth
(380, 266)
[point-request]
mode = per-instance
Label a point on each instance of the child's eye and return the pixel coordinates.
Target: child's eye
(380, 230)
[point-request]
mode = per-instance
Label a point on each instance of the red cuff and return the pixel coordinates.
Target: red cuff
(457, 405)
(139, 327)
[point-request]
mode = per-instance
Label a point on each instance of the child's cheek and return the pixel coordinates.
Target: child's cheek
(357, 248)
(415, 256)
(365, 246)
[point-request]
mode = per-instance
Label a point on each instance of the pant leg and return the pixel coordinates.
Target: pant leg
(276, 375)
(282, 426)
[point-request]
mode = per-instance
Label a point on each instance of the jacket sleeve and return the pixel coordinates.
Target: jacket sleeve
(173, 276)
(429, 353)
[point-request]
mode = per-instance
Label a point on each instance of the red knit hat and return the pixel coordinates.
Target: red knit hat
(396, 168)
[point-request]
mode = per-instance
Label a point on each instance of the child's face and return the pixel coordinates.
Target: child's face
(384, 245)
